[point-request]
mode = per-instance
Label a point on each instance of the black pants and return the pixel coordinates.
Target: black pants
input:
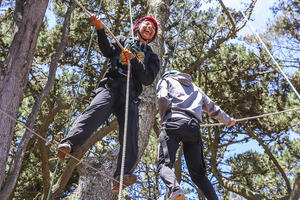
(107, 101)
(186, 131)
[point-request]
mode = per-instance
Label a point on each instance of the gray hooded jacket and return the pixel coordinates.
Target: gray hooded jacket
(177, 92)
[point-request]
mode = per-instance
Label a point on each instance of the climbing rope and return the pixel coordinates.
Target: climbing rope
(126, 113)
(265, 46)
(105, 27)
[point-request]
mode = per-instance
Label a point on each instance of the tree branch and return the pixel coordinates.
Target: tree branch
(269, 153)
(13, 176)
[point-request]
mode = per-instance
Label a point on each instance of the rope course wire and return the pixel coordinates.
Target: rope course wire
(272, 57)
(54, 144)
(254, 117)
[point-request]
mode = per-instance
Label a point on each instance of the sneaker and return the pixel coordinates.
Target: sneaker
(63, 150)
(177, 195)
(128, 179)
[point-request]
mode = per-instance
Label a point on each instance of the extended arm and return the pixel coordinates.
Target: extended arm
(215, 111)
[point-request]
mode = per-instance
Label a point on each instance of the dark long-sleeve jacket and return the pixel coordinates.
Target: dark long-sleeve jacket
(144, 69)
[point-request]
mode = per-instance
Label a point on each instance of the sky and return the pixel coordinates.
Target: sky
(261, 12)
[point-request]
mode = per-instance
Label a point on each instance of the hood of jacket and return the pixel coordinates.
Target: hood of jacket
(184, 79)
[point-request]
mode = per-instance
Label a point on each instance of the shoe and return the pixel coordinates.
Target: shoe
(128, 179)
(63, 150)
(177, 195)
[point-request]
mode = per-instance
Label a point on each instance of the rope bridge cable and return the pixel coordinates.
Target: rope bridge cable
(105, 27)
(109, 177)
(253, 117)
(53, 148)
(265, 46)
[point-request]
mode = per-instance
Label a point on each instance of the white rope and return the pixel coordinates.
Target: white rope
(109, 177)
(105, 27)
(264, 45)
(126, 115)
(253, 117)
(54, 149)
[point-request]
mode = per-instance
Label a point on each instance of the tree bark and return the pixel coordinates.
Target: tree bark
(78, 153)
(13, 176)
(28, 18)
(236, 188)
(48, 119)
(295, 194)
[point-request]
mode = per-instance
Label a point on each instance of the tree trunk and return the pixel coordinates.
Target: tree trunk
(295, 194)
(28, 18)
(94, 186)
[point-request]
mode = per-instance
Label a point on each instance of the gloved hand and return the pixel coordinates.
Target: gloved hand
(97, 22)
(232, 123)
(128, 54)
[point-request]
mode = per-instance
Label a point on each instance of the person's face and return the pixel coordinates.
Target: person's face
(147, 29)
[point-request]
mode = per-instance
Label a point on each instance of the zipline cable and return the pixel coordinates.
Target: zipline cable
(75, 99)
(265, 46)
(126, 113)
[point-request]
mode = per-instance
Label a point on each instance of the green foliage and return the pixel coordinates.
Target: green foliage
(242, 81)
(6, 25)
(257, 170)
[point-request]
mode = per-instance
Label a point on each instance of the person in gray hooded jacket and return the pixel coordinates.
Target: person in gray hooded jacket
(180, 105)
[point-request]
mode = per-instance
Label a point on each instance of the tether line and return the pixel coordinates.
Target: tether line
(126, 113)
(265, 46)
(53, 148)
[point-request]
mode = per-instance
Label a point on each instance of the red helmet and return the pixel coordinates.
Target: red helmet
(151, 19)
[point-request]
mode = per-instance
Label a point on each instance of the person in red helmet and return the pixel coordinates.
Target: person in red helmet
(109, 97)
(142, 29)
